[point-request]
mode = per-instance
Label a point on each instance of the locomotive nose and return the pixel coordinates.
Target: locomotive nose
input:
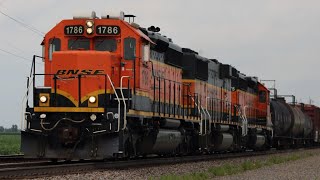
(82, 74)
(82, 62)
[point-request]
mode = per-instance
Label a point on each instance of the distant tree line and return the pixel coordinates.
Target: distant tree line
(13, 129)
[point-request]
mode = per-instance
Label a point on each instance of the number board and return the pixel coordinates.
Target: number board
(73, 30)
(108, 30)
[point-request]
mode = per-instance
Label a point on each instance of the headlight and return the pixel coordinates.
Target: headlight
(89, 30)
(93, 117)
(89, 24)
(43, 99)
(92, 99)
(42, 116)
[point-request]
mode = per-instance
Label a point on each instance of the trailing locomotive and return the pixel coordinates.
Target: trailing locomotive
(115, 89)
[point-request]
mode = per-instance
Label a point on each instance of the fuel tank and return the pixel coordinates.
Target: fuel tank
(165, 141)
(260, 141)
(223, 141)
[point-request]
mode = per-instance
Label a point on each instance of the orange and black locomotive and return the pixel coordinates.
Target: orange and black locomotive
(115, 89)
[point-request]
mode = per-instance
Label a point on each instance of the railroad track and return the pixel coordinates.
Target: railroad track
(11, 158)
(39, 169)
(16, 158)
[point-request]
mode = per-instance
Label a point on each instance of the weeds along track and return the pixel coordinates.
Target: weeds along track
(40, 169)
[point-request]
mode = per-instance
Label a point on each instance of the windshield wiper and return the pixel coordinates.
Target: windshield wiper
(96, 47)
(70, 46)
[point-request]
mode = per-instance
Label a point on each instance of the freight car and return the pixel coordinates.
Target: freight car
(291, 126)
(314, 113)
(115, 89)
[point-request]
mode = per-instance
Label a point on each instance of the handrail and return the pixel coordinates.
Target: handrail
(210, 119)
(33, 70)
(205, 117)
(23, 112)
(33, 73)
(218, 113)
(106, 75)
(119, 104)
(158, 83)
(244, 120)
(201, 133)
(79, 77)
(124, 103)
(26, 97)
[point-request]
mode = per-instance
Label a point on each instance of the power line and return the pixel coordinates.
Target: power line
(17, 49)
(18, 56)
(31, 28)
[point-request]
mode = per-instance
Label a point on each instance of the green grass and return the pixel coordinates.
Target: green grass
(9, 144)
(192, 176)
(230, 169)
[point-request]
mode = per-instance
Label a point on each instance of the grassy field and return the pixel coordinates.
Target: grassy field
(230, 169)
(9, 144)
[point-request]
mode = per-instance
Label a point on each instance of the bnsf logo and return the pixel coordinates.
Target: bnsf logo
(77, 71)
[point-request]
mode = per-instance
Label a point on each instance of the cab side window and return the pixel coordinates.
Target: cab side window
(129, 48)
(54, 45)
(262, 96)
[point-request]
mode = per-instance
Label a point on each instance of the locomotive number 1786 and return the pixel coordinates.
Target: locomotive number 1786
(108, 30)
(73, 30)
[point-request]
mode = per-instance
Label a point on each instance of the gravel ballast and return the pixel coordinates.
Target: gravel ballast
(306, 168)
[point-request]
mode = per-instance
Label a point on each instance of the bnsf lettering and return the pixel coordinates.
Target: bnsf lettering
(86, 71)
(77, 71)
(61, 72)
(73, 72)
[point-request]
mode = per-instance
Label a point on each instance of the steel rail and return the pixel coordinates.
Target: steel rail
(11, 158)
(61, 168)
(16, 158)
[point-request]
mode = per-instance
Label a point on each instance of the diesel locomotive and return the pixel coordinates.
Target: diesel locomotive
(114, 89)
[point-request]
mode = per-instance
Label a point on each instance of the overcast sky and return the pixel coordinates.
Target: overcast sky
(274, 39)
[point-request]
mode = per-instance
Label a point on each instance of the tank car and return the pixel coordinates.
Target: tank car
(314, 113)
(291, 126)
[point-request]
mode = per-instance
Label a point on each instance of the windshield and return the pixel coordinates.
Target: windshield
(262, 96)
(75, 44)
(105, 45)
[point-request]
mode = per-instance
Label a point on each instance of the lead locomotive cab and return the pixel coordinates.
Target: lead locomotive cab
(89, 77)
